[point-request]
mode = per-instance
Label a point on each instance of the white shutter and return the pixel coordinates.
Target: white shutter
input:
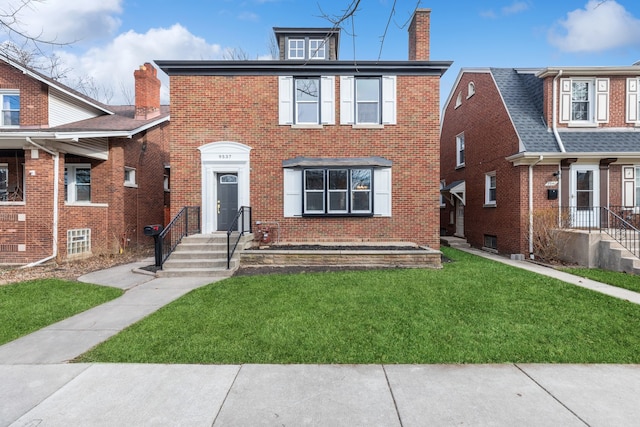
(382, 192)
(347, 85)
(632, 100)
(602, 100)
(292, 192)
(389, 100)
(565, 100)
(285, 91)
(327, 96)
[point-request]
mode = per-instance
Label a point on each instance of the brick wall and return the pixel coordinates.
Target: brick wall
(33, 96)
(206, 109)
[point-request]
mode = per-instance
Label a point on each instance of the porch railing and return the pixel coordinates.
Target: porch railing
(244, 216)
(185, 223)
(620, 222)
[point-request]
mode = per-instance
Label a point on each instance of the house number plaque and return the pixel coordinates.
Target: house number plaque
(224, 156)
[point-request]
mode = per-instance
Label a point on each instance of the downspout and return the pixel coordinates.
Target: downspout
(554, 113)
(56, 176)
(531, 256)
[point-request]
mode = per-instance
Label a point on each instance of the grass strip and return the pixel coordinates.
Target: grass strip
(474, 310)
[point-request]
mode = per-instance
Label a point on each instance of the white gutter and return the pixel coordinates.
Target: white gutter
(554, 113)
(56, 176)
(531, 206)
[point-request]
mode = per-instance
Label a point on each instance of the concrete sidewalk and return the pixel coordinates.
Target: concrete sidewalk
(37, 387)
(321, 395)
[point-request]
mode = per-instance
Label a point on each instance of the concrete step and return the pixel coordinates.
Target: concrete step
(196, 272)
(201, 247)
(454, 242)
(171, 263)
(200, 254)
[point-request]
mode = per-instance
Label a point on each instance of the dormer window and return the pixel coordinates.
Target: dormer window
(10, 108)
(584, 101)
(581, 99)
(317, 49)
(296, 49)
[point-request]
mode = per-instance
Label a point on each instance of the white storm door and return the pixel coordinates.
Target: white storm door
(584, 198)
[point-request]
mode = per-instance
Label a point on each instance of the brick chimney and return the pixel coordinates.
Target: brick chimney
(147, 92)
(419, 35)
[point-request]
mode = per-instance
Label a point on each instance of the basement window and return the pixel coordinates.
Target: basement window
(78, 241)
(490, 242)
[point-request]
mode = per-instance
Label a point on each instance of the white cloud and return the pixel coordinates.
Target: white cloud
(112, 66)
(514, 8)
(600, 26)
(67, 21)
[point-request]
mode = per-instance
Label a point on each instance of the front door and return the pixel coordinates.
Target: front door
(459, 218)
(585, 196)
(227, 204)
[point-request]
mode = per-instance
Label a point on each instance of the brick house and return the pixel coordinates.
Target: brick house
(330, 150)
(77, 177)
(518, 142)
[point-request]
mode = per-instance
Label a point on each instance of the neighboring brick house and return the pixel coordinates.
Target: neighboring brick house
(331, 150)
(517, 142)
(77, 177)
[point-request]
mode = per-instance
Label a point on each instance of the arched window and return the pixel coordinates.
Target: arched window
(471, 90)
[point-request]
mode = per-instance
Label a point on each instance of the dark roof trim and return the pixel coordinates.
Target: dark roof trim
(341, 161)
(300, 68)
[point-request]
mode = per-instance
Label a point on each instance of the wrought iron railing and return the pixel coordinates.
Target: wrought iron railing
(244, 216)
(619, 222)
(185, 223)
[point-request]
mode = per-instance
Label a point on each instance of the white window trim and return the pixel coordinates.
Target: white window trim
(458, 100)
(286, 101)
(71, 183)
(9, 92)
(471, 89)
(388, 104)
(314, 51)
(598, 109)
(487, 189)
(460, 143)
(633, 101)
(289, 48)
(131, 182)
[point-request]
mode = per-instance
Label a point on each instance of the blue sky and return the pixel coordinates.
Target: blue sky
(113, 37)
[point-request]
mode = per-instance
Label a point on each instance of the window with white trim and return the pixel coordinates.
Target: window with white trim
(460, 150)
(10, 108)
(490, 189)
(130, 177)
(306, 100)
(317, 49)
(458, 100)
(471, 89)
(584, 101)
(77, 183)
(367, 100)
(337, 191)
(633, 100)
(296, 49)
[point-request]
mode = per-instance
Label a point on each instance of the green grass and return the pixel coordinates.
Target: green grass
(472, 311)
(28, 306)
(621, 280)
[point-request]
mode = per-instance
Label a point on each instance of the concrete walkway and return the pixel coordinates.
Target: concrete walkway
(38, 387)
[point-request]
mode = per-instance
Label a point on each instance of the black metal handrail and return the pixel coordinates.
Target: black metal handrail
(622, 226)
(185, 223)
(245, 225)
(620, 222)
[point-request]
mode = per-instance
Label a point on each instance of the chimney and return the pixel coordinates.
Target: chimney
(419, 35)
(147, 92)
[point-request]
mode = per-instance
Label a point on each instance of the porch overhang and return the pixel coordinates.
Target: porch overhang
(457, 189)
(93, 148)
(310, 162)
(527, 158)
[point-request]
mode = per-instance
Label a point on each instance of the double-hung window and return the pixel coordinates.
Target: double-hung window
(296, 49)
(368, 100)
(337, 191)
(581, 100)
(490, 189)
(307, 106)
(460, 150)
(584, 101)
(10, 108)
(77, 183)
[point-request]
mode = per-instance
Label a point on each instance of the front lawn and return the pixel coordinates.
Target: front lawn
(621, 280)
(472, 311)
(28, 306)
